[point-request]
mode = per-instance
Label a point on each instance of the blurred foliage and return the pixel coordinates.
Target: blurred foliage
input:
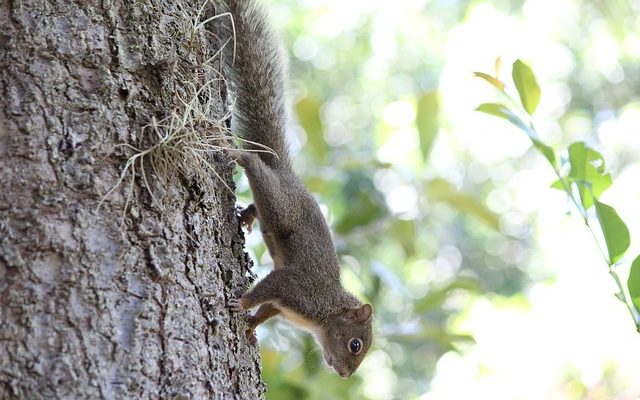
(421, 225)
(587, 176)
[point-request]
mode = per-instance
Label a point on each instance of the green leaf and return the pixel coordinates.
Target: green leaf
(427, 121)
(634, 283)
(308, 111)
(496, 67)
(365, 204)
(614, 230)
(436, 296)
(281, 389)
(558, 185)
(588, 172)
(495, 109)
(546, 151)
(491, 79)
(432, 333)
(502, 111)
(405, 233)
(526, 85)
(441, 190)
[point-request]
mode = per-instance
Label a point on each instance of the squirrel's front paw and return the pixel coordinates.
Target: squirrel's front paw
(236, 305)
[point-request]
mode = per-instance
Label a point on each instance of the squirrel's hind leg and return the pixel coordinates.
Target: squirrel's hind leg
(274, 194)
(247, 216)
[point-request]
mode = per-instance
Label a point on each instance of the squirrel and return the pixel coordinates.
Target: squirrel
(304, 287)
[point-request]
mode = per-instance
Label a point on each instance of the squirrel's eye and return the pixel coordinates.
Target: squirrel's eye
(355, 346)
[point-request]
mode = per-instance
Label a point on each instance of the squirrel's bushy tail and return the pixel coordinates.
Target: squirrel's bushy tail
(255, 68)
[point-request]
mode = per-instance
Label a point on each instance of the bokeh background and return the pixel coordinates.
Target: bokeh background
(484, 285)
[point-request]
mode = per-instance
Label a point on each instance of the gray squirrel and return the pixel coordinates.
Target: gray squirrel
(304, 287)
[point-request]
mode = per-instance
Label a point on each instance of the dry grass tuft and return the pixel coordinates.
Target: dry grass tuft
(184, 141)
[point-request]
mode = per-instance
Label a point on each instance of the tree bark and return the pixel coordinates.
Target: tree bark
(94, 305)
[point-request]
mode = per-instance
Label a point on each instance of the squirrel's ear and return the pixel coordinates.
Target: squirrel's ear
(365, 312)
(360, 314)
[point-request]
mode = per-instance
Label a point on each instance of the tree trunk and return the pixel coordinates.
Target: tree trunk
(126, 300)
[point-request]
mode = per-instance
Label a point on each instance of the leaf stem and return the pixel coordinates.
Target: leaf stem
(622, 296)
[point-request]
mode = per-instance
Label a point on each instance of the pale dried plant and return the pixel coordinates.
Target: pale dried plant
(184, 141)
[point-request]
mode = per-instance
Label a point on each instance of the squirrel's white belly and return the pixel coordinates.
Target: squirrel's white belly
(298, 320)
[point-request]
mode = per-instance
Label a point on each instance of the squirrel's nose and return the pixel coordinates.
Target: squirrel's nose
(344, 374)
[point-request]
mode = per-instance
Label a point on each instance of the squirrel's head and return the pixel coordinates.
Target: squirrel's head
(347, 338)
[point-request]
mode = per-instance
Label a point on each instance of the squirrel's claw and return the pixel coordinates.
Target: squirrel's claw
(235, 305)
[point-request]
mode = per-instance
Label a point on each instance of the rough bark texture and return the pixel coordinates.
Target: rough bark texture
(90, 306)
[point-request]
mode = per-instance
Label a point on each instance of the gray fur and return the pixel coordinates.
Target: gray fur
(304, 286)
(257, 72)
